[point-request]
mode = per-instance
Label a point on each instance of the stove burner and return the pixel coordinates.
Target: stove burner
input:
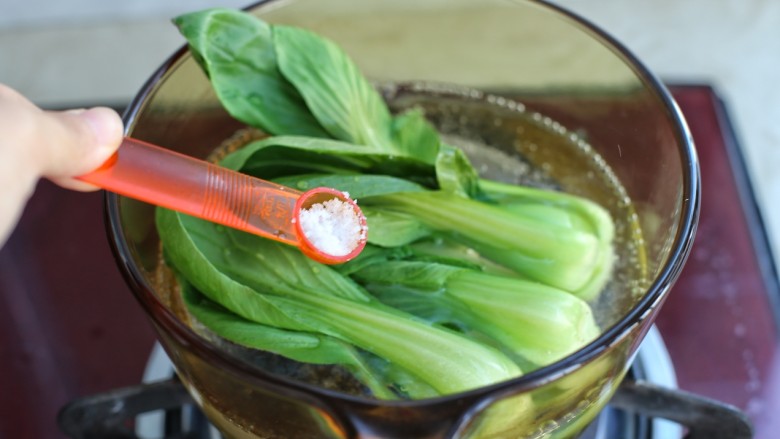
(162, 407)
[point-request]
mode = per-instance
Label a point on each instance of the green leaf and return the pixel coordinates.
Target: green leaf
(266, 265)
(414, 136)
(290, 155)
(358, 186)
(304, 347)
(254, 153)
(188, 259)
(371, 255)
(338, 95)
(236, 51)
(424, 276)
(454, 172)
(418, 138)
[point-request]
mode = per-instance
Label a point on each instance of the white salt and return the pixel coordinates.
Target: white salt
(332, 226)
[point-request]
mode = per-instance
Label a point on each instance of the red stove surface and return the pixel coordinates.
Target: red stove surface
(71, 327)
(720, 322)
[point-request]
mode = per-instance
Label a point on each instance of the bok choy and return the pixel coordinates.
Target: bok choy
(465, 282)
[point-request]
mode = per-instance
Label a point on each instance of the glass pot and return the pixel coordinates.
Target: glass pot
(526, 77)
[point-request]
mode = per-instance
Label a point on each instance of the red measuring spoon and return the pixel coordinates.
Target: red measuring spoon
(175, 181)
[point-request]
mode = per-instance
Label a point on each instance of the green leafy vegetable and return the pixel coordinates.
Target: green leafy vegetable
(341, 99)
(568, 211)
(560, 256)
(296, 345)
(275, 285)
(539, 323)
(289, 155)
(414, 136)
(465, 282)
(455, 174)
(236, 51)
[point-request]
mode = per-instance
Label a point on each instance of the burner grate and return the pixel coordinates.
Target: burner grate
(648, 393)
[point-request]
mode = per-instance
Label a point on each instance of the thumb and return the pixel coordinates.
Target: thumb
(75, 142)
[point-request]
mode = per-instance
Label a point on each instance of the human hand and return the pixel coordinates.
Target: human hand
(55, 145)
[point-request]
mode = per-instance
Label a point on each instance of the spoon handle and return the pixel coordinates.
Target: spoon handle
(175, 181)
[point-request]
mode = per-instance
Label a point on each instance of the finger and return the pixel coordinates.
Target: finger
(74, 184)
(73, 143)
(56, 145)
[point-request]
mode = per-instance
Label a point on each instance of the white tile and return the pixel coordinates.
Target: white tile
(72, 65)
(36, 13)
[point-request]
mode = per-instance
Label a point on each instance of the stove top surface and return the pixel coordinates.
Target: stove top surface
(72, 327)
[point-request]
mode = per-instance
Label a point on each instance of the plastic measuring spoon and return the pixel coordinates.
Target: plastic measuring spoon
(169, 179)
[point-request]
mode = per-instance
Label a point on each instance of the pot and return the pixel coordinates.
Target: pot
(524, 77)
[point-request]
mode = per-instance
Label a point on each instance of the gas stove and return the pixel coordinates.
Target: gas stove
(652, 365)
(167, 412)
(72, 328)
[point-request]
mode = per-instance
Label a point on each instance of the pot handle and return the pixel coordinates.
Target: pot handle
(704, 418)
